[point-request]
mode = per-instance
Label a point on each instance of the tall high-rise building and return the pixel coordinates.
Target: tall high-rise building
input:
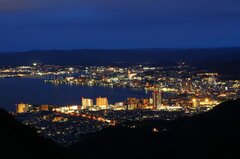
(157, 98)
(22, 108)
(101, 102)
(86, 102)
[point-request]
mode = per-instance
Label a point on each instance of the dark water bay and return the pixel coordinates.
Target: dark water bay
(35, 91)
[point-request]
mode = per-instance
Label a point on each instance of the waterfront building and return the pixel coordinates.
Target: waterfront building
(101, 102)
(22, 108)
(157, 98)
(132, 103)
(86, 102)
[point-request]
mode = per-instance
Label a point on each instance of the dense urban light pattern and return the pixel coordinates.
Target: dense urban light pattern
(173, 92)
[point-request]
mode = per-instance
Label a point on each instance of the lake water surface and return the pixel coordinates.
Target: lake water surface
(35, 91)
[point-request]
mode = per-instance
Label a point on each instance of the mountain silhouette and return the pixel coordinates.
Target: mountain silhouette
(122, 57)
(222, 60)
(18, 141)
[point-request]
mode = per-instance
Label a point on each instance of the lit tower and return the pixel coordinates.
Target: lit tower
(22, 108)
(157, 98)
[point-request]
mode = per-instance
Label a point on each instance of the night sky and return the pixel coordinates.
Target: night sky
(107, 24)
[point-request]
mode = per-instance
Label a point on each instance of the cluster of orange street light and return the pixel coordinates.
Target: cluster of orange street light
(92, 117)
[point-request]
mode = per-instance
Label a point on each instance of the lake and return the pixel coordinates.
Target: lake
(35, 91)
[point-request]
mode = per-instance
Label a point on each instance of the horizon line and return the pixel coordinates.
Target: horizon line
(115, 49)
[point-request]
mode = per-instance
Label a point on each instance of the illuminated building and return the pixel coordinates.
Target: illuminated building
(145, 101)
(157, 99)
(67, 109)
(101, 102)
(195, 102)
(119, 106)
(44, 107)
(22, 108)
(132, 103)
(87, 102)
(151, 101)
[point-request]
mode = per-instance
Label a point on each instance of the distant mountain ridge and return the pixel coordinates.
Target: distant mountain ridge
(116, 57)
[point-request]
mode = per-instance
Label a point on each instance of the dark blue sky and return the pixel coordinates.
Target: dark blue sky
(76, 24)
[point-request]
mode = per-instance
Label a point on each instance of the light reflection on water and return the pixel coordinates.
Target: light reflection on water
(35, 91)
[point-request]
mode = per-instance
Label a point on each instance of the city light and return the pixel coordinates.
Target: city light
(206, 100)
(170, 93)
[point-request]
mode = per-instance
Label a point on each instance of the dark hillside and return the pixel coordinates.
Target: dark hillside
(215, 134)
(21, 142)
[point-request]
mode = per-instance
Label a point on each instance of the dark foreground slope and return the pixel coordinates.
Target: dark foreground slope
(215, 134)
(20, 142)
